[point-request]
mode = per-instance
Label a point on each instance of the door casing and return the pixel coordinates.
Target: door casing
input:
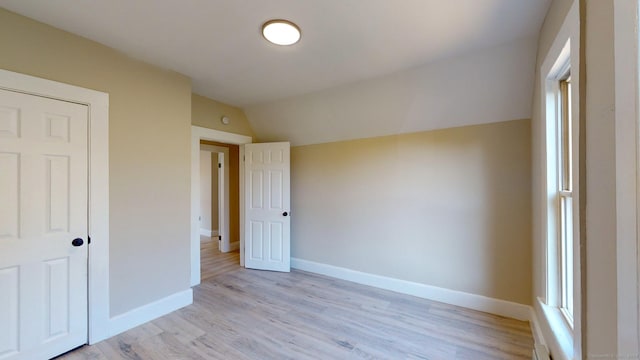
(197, 134)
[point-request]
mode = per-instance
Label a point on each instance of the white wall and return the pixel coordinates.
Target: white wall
(485, 86)
(205, 193)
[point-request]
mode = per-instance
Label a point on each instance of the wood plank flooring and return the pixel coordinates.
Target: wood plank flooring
(213, 262)
(248, 314)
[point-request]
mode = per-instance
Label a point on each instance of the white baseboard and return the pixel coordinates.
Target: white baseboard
(151, 311)
(453, 297)
(230, 247)
(536, 331)
(208, 233)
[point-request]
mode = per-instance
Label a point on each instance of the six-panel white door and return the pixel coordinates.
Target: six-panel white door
(267, 206)
(43, 208)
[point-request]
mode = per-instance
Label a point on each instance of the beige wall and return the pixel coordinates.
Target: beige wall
(449, 208)
(207, 113)
(149, 135)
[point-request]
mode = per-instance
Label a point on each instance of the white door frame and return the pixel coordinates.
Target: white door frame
(223, 194)
(98, 222)
(199, 133)
(224, 235)
(627, 120)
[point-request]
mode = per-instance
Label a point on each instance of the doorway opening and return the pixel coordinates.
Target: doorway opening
(215, 137)
(214, 195)
(219, 208)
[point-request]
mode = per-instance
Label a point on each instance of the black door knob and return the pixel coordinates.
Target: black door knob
(77, 242)
(285, 213)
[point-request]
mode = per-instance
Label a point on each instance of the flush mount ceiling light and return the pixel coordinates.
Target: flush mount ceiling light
(281, 32)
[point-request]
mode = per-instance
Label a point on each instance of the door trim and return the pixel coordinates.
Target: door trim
(627, 142)
(199, 133)
(98, 171)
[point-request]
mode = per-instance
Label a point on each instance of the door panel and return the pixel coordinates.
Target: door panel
(56, 297)
(43, 192)
(9, 190)
(276, 200)
(256, 241)
(276, 240)
(57, 193)
(9, 328)
(267, 204)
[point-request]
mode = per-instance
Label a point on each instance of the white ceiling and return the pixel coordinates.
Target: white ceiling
(218, 42)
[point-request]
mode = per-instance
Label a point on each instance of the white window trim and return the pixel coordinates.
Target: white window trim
(552, 114)
(563, 341)
(627, 127)
(563, 195)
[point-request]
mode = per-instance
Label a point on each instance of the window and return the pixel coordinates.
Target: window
(562, 196)
(565, 199)
(560, 186)
(558, 229)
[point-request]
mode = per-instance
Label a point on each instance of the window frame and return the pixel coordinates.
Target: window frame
(562, 339)
(557, 194)
(565, 239)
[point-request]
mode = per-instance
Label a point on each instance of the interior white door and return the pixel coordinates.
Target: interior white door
(267, 206)
(43, 208)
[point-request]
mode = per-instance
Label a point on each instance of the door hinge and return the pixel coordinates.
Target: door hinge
(219, 166)
(88, 239)
(219, 237)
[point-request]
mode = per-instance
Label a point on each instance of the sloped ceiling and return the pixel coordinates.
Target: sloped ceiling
(344, 42)
(490, 85)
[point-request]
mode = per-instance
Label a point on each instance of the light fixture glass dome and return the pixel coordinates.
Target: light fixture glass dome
(281, 32)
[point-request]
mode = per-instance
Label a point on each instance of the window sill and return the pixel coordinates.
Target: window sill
(561, 344)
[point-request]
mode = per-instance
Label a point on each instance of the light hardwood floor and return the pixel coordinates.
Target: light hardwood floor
(213, 262)
(248, 314)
